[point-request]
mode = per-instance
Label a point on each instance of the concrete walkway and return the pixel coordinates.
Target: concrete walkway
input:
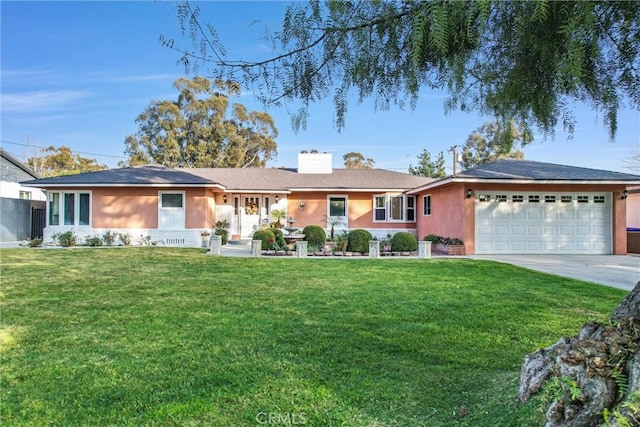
(618, 271)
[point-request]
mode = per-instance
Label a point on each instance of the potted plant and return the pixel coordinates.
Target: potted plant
(205, 235)
(222, 230)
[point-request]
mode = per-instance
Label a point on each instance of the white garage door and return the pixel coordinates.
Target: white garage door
(543, 223)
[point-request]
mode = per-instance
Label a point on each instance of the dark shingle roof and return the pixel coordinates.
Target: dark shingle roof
(526, 169)
(143, 175)
(236, 179)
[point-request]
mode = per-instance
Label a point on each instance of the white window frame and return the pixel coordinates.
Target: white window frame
(426, 205)
(387, 198)
(76, 208)
(172, 211)
(376, 208)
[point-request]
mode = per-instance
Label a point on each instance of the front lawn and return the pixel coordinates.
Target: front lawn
(160, 336)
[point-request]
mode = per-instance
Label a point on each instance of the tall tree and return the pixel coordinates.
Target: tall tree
(428, 168)
(528, 60)
(62, 161)
(354, 160)
(197, 130)
(493, 141)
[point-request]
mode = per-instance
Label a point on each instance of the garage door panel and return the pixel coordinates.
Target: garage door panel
(540, 222)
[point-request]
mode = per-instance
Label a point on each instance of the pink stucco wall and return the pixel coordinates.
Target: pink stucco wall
(138, 207)
(453, 214)
(359, 205)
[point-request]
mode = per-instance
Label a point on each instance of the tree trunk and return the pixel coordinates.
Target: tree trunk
(595, 371)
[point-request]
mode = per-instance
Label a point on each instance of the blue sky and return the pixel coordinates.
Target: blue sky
(79, 73)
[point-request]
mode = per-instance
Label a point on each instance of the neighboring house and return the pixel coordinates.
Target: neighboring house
(509, 206)
(520, 207)
(17, 202)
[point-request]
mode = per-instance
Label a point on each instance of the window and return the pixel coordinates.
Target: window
(583, 199)
(379, 208)
(566, 199)
(426, 205)
(25, 195)
(396, 208)
(501, 198)
(550, 199)
(171, 200)
(598, 199)
(74, 207)
(54, 208)
(171, 210)
(484, 197)
(517, 198)
(534, 198)
(337, 206)
(411, 208)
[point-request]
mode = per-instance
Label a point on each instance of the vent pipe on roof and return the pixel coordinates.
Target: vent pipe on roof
(315, 163)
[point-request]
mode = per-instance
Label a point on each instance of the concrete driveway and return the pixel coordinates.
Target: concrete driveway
(618, 271)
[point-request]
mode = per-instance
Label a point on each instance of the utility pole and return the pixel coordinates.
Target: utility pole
(455, 157)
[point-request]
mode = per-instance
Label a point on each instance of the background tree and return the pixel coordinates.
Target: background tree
(632, 163)
(354, 160)
(528, 60)
(197, 130)
(428, 168)
(62, 161)
(493, 141)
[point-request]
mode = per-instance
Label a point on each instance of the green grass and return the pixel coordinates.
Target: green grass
(157, 336)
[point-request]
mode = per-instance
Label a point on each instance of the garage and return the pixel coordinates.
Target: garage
(543, 222)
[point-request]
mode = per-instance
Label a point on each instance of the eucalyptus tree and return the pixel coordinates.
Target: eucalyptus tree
(202, 128)
(527, 60)
(355, 160)
(56, 161)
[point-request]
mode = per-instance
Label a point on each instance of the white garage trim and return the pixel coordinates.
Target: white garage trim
(543, 222)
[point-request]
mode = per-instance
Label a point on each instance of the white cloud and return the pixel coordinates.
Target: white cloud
(44, 100)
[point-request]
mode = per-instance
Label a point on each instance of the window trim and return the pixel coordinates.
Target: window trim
(377, 208)
(427, 207)
(183, 209)
(61, 205)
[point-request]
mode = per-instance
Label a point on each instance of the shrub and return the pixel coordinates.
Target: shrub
(109, 237)
(223, 233)
(267, 237)
(358, 241)
(94, 241)
(315, 235)
(432, 238)
(403, 242)
(35, 243)
(65, 239)
(125, 238)
(279, 238)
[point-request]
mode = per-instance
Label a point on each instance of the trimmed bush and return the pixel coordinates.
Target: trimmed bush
(279, 237)
(267, 237)
(358, 241)
(315, 235)
(404, 242)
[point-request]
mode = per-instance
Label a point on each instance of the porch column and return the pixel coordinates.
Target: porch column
(301, 248)
(374, 248)
(215, 244)
(424, 249)
(256, 248)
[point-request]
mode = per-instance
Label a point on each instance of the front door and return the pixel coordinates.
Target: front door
(252, 212)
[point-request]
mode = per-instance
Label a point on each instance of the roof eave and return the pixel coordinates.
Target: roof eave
(473, 180)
